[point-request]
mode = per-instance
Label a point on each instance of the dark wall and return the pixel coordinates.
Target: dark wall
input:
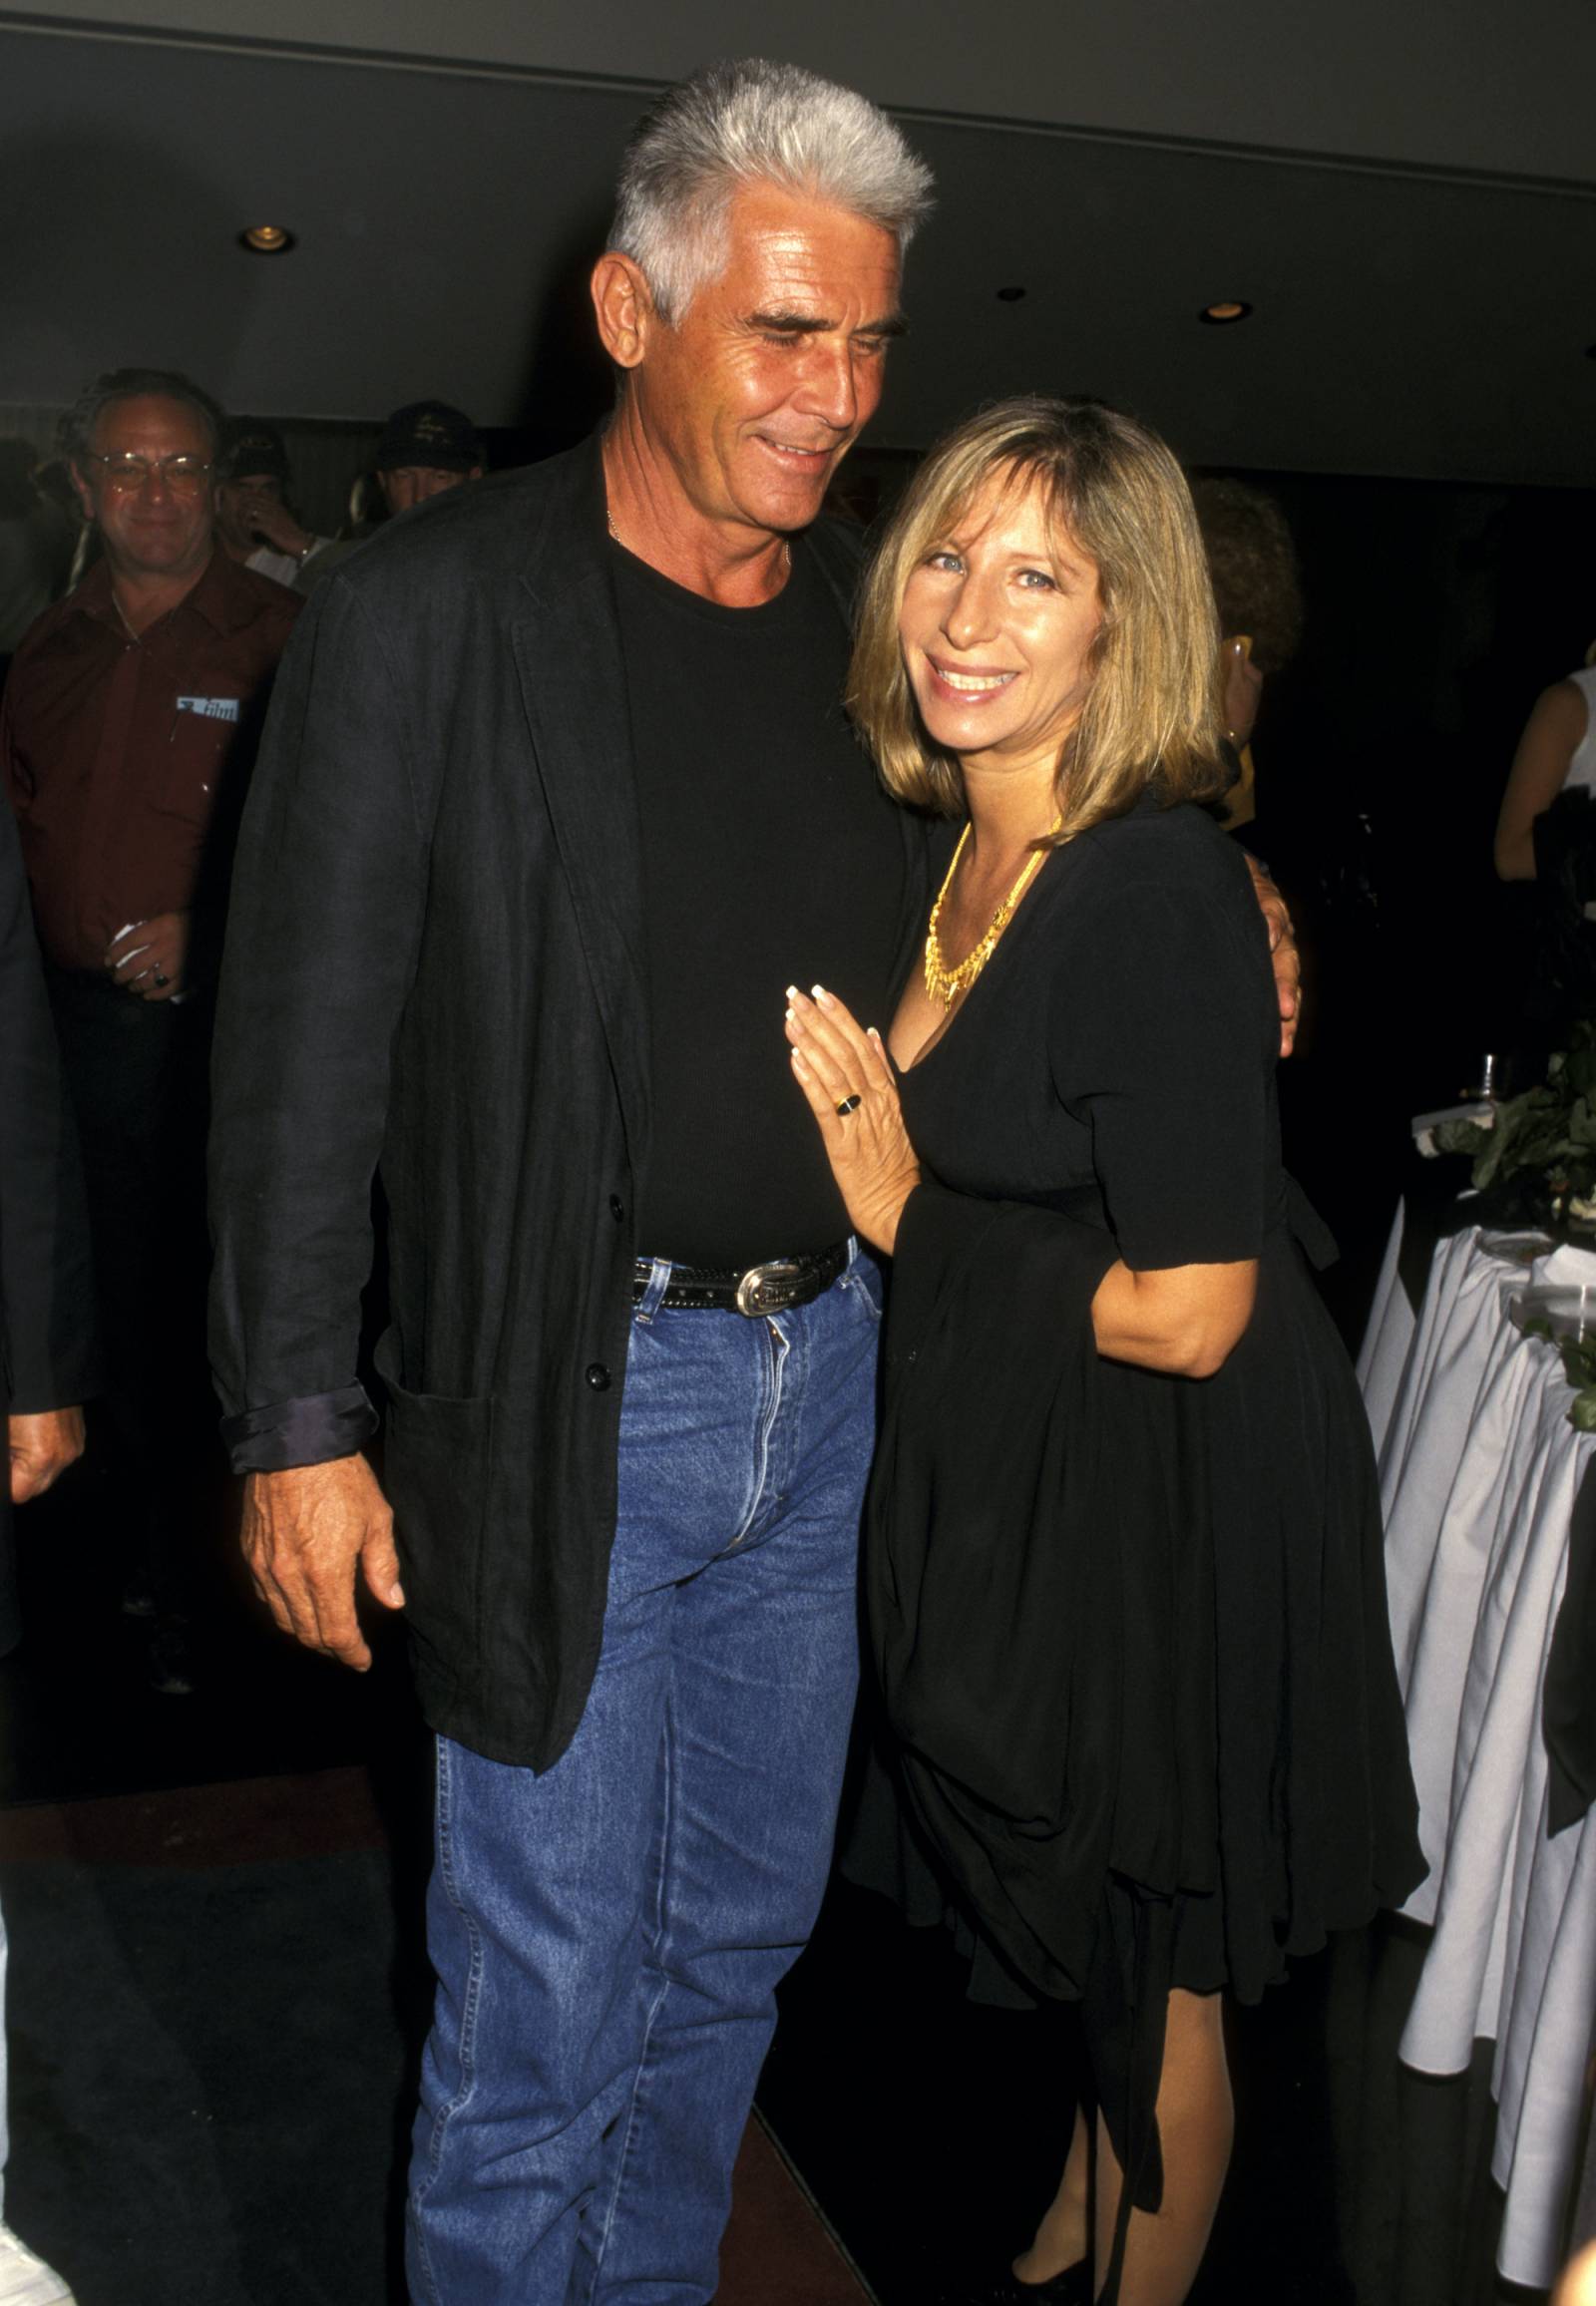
(1435, 616)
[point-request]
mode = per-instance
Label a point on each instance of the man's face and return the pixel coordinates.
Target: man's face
(159, 526)
(406, 485)
(761, 388)
(235, 528)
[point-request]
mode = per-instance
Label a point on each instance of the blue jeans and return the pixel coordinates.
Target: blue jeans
(608, 1935)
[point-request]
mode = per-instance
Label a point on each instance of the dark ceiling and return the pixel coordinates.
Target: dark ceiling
(1420, 323)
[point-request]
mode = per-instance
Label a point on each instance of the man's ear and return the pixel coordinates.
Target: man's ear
(623, 308)
(85, 494)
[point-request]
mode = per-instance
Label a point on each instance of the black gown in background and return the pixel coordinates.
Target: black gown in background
(1130, 1630)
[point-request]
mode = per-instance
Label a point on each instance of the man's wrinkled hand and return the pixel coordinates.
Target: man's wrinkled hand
(1284, 957)
(44, 1443)
(307, 1532)
(1243, 687)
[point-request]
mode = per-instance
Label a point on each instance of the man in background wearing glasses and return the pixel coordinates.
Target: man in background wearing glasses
(129, 722)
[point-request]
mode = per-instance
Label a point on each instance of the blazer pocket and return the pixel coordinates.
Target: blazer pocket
(437, 1462)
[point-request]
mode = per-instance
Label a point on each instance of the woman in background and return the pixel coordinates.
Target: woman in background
(1556, 751)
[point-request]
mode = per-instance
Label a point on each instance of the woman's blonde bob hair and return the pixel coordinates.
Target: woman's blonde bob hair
(1151, 715)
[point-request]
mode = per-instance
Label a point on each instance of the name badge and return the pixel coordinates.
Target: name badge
(225, 708)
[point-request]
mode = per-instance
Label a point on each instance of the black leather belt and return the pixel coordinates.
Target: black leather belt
(763, 1288)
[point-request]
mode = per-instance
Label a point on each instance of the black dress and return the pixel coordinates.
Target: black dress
(1130, 1630)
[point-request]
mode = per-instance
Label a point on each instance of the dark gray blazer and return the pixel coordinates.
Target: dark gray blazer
(435, 968)
(46, 1289)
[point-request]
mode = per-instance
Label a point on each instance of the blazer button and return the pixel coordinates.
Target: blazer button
(599, 1377)
(616, 1210)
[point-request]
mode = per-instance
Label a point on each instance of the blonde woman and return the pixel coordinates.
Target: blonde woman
(1125, 1572)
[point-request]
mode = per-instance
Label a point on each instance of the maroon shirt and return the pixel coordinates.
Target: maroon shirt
(114, 750)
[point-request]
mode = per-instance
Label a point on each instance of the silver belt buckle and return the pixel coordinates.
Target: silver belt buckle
(766, 1289)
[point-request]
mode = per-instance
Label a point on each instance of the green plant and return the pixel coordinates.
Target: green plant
(1535, 1159)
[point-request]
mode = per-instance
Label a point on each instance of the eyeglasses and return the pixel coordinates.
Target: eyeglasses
(129, 473)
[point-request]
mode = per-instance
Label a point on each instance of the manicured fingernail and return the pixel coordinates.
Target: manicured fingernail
(870, 1030)
(822, 997)
(792, 992)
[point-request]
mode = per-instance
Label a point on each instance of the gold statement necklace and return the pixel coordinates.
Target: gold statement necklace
(943, 983)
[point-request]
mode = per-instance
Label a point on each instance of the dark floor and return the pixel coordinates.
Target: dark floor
(168, 2016)
(215, 2001)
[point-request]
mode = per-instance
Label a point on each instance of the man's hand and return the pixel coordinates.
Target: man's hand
(1284, 959)
(266, 518)
(148, 957)
(304, 1531)
(43, 1444)
(1243, 687)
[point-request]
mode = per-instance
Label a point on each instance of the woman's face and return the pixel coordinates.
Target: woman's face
(996, 625)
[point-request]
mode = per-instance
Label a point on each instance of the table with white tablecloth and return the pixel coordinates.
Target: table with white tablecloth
(1479, 1469)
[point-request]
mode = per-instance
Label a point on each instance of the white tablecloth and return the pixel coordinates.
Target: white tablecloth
(1479, 1470)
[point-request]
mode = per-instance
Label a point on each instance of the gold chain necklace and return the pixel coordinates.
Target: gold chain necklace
(943, 983)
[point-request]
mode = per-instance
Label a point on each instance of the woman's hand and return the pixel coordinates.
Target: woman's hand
(836, 1062)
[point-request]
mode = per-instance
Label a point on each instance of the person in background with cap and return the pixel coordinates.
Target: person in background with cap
(256, 524)
(426, 448)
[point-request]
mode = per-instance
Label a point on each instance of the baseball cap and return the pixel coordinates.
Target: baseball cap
(252, 448)
(429, 432)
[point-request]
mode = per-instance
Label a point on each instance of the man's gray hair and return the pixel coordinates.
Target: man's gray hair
(752, 122)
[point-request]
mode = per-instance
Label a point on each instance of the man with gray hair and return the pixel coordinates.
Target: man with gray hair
(556, 801)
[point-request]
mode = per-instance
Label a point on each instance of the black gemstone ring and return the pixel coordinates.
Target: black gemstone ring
(850, 1104)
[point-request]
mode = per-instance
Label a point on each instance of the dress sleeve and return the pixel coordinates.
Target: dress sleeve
(1162, 1043)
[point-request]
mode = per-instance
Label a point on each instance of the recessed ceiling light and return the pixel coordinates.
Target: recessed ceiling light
(1011, 295)
(268, 239)
(1221, 314)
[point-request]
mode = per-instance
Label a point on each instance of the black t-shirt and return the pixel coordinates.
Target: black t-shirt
(771, 857)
